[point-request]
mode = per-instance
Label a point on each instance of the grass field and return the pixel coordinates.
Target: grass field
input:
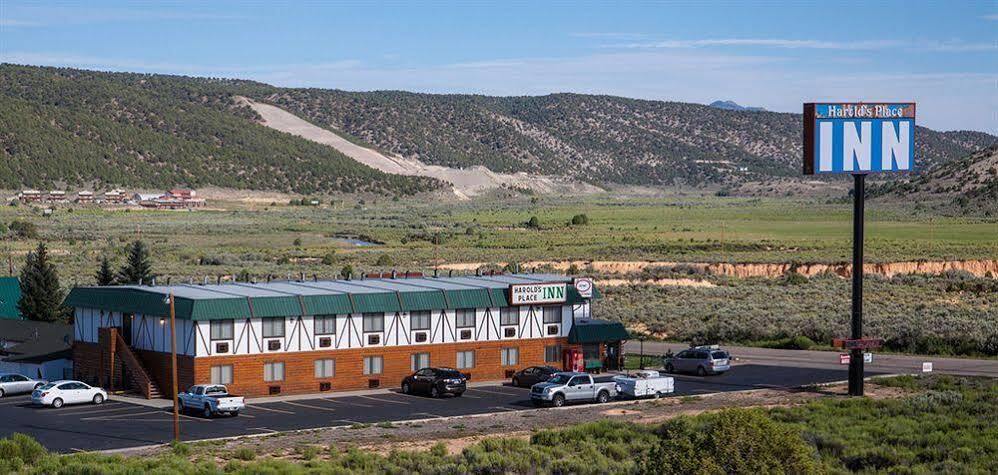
(281, 239)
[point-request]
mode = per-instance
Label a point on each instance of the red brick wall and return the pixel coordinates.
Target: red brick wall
(158, 366)
(299, 368)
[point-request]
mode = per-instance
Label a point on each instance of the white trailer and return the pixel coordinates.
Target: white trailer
(645, 383)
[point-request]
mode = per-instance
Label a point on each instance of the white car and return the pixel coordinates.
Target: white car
(13, 383)
(60, 393)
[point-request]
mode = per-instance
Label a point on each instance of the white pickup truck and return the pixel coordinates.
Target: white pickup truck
(572, 387)
(210, 399)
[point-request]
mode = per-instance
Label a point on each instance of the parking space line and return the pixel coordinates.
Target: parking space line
(269, 409)
(492, 392)
(11, 403)
(372, 398)
(503, 408)
(332, 399)
(91, 411)
(470, 396)
(298, 404)
(113, 416)
(261, 429)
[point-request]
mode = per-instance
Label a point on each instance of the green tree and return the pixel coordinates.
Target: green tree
(104, 275)
(137, 267)
(384, 261)
(580, 219)
(346, 271)
(533, 222)
(329, 258)
(41, 294)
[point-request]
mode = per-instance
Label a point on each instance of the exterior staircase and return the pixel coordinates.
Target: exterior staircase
(115, 346)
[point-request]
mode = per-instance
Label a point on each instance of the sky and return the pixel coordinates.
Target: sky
(771, 54)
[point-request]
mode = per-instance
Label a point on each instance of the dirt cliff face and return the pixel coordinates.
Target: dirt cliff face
(979, 268)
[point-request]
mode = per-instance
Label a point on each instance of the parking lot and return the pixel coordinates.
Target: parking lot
(117, 424)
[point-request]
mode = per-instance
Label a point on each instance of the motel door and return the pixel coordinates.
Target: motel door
(613, 356)
(126, 328)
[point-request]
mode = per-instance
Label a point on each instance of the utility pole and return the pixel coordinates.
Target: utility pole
(856, 354)
(173, 360)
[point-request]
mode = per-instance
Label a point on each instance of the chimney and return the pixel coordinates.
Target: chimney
(140, 281)
(393, 273)
(268, 278)
(153, 283)
(168, 279)
(450, 273)
(301, 276)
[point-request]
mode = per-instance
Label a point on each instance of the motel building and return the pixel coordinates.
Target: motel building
(295, 337)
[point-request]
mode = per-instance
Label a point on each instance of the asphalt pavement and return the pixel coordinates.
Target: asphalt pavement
(118, 424)
(882, 362)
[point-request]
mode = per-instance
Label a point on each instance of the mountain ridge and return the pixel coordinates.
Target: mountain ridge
(70, 126)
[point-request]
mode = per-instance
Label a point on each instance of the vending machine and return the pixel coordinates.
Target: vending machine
(573, 361)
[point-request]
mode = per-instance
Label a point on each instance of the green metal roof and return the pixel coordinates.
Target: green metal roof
(10, 294)
(596, 331)
(292, 298)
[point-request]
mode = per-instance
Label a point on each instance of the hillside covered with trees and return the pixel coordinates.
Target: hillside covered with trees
(78, 127)
(594, 138)
(75, 127)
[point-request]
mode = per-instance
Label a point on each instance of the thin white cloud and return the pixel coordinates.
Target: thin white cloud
(991, 17)
(9, 22)
(765, 42)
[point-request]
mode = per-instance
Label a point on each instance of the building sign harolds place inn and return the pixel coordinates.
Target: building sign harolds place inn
(534, 294)
(859, 138)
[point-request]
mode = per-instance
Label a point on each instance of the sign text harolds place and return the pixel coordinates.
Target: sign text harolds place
(531, 294)
(859, 137)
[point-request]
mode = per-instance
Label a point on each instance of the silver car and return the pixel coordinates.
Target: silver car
(13, 383)
(702, 360)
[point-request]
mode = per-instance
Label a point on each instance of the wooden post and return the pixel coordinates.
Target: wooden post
(173, 361)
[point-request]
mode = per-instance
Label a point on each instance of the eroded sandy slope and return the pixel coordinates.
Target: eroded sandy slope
(466, 181)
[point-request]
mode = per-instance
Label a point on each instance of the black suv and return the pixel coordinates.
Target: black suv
(528, 377)
(436, 382)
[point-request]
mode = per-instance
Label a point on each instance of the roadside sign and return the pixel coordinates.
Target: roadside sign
(533, 294)
(859, 137)
(585, 287)
(844, 358)
(868, 357)
(858, 344)
(927, 367)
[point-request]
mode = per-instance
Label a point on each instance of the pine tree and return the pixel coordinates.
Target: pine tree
(41, 295)
(137, 267)
(104, 275)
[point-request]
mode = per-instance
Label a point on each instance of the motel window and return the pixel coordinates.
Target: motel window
(552, 314)
(420, 361)
(221, 329)
(419, 320)
(465, 317)
(325, 368)
(273, 372)
(510, 356)
(509, 316)
(373, 364)
(552, 353)
(273, 327)
(325, 324)
(465, 359)
(221, 374)
(374, 322)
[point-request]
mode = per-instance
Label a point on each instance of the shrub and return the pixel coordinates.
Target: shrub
(384, 260)
(580, 220)
(244, 453)
(20, 229)
(329, 258)
(730, 441)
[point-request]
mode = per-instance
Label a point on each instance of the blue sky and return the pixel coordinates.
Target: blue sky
(770, 54)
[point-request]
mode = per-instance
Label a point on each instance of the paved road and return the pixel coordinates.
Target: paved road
(883, 363)
(118, 424)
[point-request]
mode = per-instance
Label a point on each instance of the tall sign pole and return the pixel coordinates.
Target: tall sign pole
(856, 355)
(173, 364)
(858, 139)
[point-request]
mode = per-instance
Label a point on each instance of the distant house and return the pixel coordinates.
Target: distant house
(114, 196)
(30, 196)
(57, 196)
(85, 197)
(176, 198)
(10, 294)
(36, 349)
